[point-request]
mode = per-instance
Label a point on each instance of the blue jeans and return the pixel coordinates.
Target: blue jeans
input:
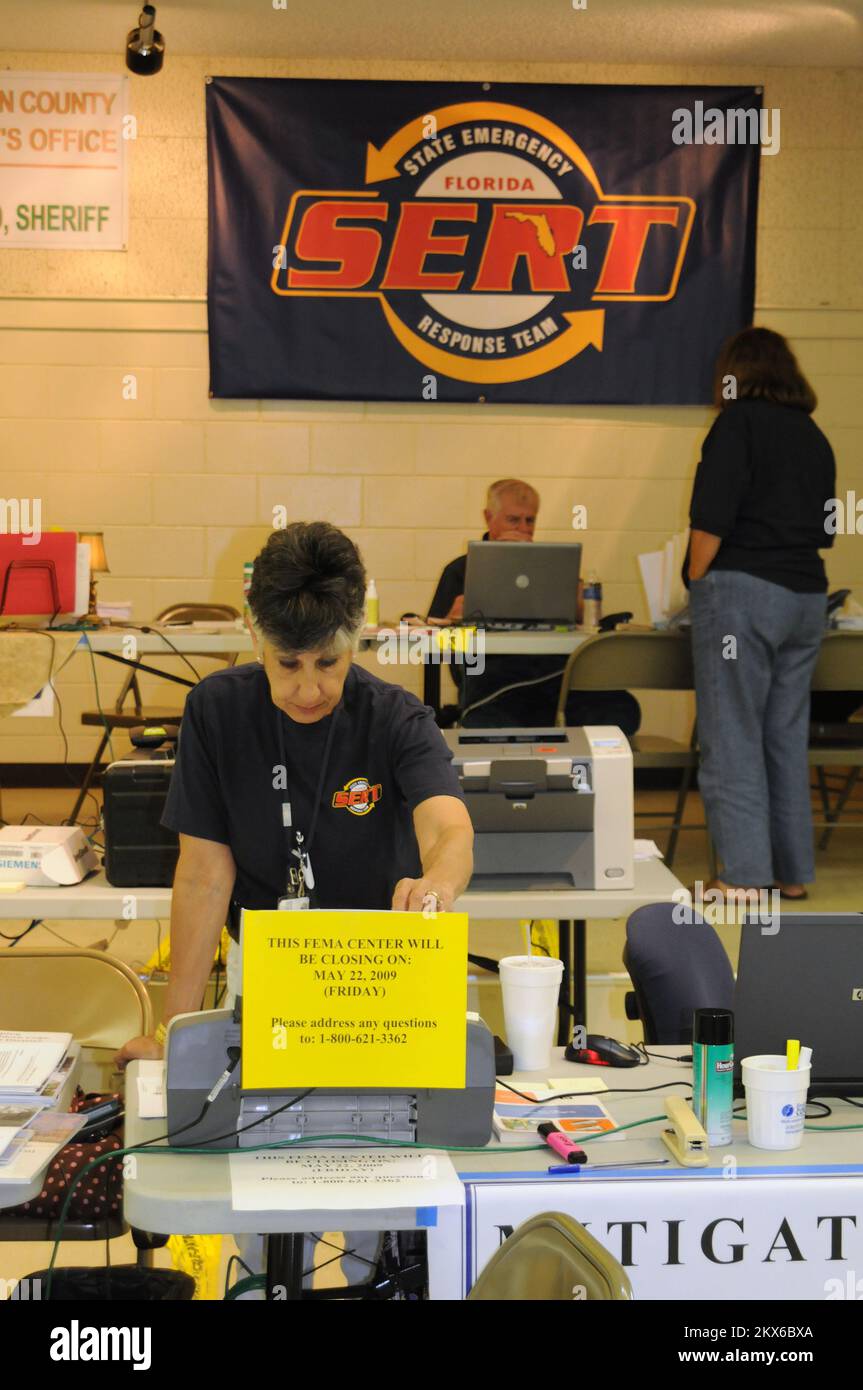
(754, 648)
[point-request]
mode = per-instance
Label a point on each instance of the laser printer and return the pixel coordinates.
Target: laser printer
(197, 1055)
(550, 807)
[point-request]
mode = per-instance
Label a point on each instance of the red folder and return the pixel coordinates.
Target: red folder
(29, 583)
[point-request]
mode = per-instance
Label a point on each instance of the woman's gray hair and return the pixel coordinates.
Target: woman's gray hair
(345, 639)
(308, 589)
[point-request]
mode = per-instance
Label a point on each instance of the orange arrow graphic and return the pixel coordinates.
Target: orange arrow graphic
(382, 163)
(586, 328)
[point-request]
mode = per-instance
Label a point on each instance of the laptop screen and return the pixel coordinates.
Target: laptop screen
(801, 976)
(522, 581)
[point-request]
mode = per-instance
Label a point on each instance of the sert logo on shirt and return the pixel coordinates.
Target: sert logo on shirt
(358, 796)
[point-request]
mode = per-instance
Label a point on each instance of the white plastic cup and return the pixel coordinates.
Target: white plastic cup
(775, 1101)
(531, 989)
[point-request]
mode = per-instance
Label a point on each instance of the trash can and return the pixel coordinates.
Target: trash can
(106, 1284)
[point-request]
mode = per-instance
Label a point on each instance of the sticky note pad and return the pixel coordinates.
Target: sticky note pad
(577, 1084)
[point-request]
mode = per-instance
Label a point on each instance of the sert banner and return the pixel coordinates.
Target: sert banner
(476, 241)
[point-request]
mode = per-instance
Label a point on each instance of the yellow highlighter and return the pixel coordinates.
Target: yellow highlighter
(792, 1054)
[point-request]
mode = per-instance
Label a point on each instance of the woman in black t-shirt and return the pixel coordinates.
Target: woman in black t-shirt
(758, 605)
(308, 776)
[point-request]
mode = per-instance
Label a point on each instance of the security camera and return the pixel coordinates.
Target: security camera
(145, 47)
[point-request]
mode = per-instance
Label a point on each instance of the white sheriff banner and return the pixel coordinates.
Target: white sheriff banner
(63, 140)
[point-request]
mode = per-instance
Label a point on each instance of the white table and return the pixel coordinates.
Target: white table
(95, 898)
(190, 641)
(113, 644)
(726, 1231)
(753, 1225)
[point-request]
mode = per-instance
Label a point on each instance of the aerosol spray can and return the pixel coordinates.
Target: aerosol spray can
(713, 1072)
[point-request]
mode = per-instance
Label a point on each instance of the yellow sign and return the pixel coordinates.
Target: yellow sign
(354, 999)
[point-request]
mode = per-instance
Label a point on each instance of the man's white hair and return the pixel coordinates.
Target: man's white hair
(505, 486)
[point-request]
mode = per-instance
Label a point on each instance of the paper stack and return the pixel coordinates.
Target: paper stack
(117, 610)
(515, 1120)
(661, 575)
(33, 1070)
(28, 1062)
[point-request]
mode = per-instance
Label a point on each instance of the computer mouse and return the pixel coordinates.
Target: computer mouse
(604, 1052)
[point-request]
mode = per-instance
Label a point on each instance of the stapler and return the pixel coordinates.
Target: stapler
(686, 1141)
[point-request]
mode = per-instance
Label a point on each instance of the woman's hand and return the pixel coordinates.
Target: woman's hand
(143, 1047)
(703, 548)
(422, 895)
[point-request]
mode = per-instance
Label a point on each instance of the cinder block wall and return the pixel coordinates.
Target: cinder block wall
(184, 487)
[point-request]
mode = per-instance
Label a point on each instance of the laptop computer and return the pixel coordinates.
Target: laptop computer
(529, 582)
(805, 982)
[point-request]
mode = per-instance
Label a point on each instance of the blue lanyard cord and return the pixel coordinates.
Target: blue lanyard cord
(304, 848)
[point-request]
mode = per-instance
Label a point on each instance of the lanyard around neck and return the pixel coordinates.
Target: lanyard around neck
(325, 761)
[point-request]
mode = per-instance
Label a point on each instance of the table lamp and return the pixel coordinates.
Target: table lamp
(98, 565)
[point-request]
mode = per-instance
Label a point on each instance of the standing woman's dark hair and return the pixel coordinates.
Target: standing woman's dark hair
(308, 588)
(758, 365)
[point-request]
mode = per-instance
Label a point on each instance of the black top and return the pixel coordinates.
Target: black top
(387, 756)
(765, 475)
(449, 586)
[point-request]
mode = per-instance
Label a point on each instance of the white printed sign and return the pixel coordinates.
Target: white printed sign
(346, 1180)
(63, 141)
(735, 1239)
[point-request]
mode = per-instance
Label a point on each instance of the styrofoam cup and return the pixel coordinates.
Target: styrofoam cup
(531, 989)
(775, 1101)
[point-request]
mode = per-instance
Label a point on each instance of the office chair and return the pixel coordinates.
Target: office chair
(836, 748)
(548, 1258)
(642, 661)
(675, 968)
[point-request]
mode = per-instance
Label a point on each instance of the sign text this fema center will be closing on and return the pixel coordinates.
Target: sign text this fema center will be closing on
(354, 999)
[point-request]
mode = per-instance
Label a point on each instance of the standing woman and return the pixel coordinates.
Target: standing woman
(758, 597)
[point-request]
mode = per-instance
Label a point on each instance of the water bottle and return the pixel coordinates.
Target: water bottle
(372, 604)
(592, 600)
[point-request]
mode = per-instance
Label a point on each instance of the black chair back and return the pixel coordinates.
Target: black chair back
(675, 967)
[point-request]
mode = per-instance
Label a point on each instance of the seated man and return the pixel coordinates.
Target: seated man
(510, 515)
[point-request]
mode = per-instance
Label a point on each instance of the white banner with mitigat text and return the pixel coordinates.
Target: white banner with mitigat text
(692, 1238)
